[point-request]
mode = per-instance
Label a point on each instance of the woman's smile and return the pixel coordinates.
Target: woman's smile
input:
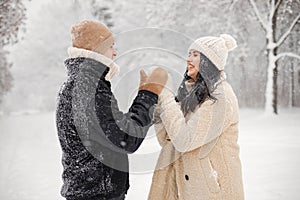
(193, 61)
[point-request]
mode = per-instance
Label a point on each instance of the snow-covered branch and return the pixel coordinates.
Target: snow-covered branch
(289, 54)
(277, 4)
(274, 8)
(284, 36)
(258, 14)
(233, 2)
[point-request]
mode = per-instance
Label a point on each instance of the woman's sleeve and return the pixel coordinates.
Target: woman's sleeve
(206, 124)
(159, 128)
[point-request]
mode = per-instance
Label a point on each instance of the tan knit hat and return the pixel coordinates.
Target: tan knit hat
(93, 36)
(215, 48)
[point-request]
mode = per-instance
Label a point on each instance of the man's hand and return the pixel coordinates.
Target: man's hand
(155, 82)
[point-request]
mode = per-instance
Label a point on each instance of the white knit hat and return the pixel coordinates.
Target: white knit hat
(215, 48)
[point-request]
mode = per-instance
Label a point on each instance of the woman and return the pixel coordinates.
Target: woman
(198, 130)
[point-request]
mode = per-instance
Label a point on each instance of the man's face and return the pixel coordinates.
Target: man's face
(111, 52)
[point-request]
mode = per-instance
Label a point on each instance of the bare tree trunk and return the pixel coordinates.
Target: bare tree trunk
(275, 70)
(269, 86)
(292, 92)
(275, 89)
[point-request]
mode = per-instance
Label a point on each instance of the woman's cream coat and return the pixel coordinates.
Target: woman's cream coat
(199, 159)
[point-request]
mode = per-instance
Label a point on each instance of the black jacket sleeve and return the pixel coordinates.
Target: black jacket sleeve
(125, 130)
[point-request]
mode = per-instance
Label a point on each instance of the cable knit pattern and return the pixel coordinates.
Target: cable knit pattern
(199, 152)
(215, 48)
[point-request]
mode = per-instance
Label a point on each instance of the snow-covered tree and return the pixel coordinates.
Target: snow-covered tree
(288, 87)
(5, 75)
(267, 18)
(12, 15)
(101, 10)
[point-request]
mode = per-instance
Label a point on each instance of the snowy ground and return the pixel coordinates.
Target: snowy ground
(30, 157)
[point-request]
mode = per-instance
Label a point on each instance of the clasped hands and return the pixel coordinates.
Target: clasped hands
(155, 82)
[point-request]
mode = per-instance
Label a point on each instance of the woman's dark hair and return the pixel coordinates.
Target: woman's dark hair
(205, 83)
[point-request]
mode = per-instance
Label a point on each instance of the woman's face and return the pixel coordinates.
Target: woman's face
(193, 63)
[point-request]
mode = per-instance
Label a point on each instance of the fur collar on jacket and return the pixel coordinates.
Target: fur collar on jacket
(114, 69)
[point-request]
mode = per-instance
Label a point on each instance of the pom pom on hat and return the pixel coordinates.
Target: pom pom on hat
(215, 48)
(229, 41)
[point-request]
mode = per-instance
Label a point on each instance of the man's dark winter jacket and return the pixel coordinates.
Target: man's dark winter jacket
(94, 135)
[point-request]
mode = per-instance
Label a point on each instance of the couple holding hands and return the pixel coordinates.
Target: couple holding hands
(197, 129)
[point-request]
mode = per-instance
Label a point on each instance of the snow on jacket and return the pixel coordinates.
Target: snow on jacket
(199, 159)
(95, 136)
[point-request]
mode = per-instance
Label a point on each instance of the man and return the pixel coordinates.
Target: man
(94, 134)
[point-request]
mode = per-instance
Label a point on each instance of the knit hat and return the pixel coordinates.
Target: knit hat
(93, 36)
(215, 48)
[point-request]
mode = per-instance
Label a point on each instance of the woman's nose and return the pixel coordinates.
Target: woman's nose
(115, 53)
(188, 59)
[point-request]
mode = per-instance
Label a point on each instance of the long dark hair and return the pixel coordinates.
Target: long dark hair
(205, 84)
